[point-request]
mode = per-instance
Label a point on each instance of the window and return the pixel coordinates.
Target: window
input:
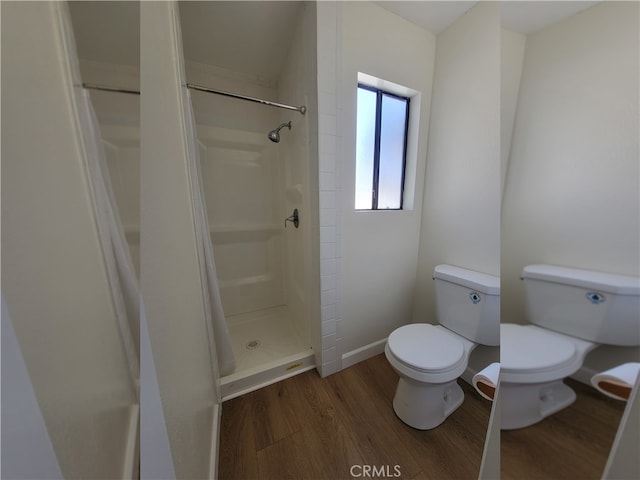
(381, 144)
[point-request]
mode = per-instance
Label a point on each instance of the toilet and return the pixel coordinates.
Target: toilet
(571, 312)
(429, 358)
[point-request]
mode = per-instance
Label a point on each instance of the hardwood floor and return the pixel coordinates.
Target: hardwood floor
(573, 443)
(312, 428)
(306, 427)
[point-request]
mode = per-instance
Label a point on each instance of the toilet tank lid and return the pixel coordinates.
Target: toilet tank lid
(483, 282)
(605, 282)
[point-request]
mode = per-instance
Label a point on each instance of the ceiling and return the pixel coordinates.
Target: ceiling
(529, 17)
(520, 16)
(253, 37)
(432, 16)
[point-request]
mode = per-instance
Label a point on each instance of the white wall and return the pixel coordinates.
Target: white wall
(171, 283)
(461, 213)
(155, 452)
(572, 189)
(378, 249)
(512, 46)
(27, 451)
(53, 273)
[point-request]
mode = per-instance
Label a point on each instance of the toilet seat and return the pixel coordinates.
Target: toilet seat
(533, 350)
(426, 348)
(530, 354)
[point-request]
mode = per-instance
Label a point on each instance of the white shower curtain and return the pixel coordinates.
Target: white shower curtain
(219, 338)
(121, 274)
(120, 270)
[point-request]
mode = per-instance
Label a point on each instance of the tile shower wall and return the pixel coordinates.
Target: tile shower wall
(329, 104)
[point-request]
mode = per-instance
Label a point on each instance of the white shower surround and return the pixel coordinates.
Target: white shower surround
(250, 186)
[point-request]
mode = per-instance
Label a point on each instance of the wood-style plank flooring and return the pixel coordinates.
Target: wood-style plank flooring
(306, 427)
(572, 444)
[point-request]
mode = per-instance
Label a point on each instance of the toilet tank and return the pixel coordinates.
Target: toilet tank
(468, 303)
(595, 306)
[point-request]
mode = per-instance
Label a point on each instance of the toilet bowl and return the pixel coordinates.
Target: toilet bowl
(572, 312)
(430, 358)
(533, 363)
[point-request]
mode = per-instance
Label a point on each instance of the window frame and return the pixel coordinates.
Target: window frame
(376, 149)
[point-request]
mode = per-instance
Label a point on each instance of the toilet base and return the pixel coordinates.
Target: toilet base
(425, 406)
(523, 405)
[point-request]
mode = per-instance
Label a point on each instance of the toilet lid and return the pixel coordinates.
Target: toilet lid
(424, 347)
(531, 349)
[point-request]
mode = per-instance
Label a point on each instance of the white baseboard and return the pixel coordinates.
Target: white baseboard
(362, 353)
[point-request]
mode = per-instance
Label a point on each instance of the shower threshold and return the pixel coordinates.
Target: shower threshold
(255, 378)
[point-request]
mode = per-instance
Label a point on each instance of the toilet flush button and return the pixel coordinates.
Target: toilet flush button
(595, 297)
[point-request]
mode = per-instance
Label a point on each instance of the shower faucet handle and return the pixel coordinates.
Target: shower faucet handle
(293, 218)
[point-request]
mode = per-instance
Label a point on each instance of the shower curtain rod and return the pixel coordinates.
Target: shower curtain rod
(106, 88)
(302, 109)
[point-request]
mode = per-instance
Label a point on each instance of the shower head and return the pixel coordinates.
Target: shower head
(274, 135)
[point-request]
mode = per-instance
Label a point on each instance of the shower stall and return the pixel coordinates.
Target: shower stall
(258, 171)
